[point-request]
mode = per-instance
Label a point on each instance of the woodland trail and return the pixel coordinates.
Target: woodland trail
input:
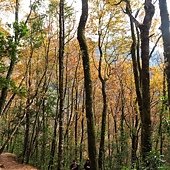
(8, 161)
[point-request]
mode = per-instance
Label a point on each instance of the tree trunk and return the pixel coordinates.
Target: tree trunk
(76, 125)
(146, 143)
(13, 58)
(82, 130)
(165, 26)
(134, 137)
(103, 127)
(27, 111)
(88, 86)
(104, 111)
(123, 143)
(26, 138)
(137, 73)
(53, 143)
(61, 85)
(143, 91)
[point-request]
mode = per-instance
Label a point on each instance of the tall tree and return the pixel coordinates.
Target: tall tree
(13, 43)
(137, 77)
(105, 106)
(144, 98)
(88, 86)
(146, 131)
(61, 84)
(103, 80)
(165, 28)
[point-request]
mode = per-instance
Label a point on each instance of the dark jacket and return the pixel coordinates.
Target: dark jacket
(74, 166)
(87, 165)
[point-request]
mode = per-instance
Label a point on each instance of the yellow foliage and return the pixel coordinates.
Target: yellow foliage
(4, 31)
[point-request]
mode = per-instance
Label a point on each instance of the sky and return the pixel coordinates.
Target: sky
(6, 17)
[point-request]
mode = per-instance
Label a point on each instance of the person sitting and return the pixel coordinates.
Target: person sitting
(87, 165)
(74, 165)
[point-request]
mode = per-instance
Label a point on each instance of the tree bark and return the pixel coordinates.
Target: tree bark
(53, 142)
(105, 106)
(88, 85)
(137, 73)
(165, 26)
(61, 85)
(146, 143)
(142, 83)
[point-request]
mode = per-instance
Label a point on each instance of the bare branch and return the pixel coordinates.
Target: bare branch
(153, 49)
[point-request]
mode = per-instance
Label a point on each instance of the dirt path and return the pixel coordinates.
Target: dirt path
(8, 161)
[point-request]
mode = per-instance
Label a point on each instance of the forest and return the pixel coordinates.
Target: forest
(85, 80)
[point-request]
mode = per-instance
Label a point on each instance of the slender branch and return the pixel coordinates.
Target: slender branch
(153, 49)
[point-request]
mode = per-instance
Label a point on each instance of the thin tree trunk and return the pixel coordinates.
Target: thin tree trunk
(122, 129)
(108, 138)
(44, 135)
(137, 78)
(103, 127)
(163, 108)
(13, 59)
(88, 86)
(82, 130)
(76, 124)
(134, 137)
(53, 143)
(61, 86)
(115, 128)
(104, 111)
(27, 112)
(165, 26)
(26, 138)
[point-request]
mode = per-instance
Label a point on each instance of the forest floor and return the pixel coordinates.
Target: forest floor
(8, 161)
